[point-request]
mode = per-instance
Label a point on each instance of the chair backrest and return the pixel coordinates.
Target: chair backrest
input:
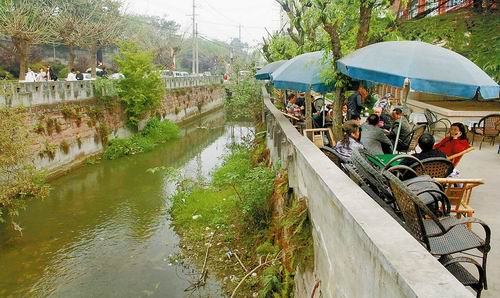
(436, 167)
(430, 116)
(416, 133)
(371, 175)
(317, 135)
(490, 124)
(334, 156)
(410, 210)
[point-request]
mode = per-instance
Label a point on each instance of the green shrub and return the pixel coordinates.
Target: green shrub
(155, 132)
(105, 90)
(245, 103)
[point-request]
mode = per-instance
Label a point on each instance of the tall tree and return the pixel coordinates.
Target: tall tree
(106, 25)
(73, 25)
(26, 23)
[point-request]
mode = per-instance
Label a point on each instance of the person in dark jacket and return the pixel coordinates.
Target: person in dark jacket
(426, 144)
(355, 102)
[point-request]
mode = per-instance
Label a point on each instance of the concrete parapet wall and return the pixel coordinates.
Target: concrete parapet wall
(360, 251)
(29, 94)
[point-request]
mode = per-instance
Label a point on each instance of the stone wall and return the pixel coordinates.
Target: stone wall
(359, 249)
(66, 133)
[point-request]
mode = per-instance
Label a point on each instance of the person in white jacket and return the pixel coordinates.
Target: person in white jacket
(71, 75)
(30, 76)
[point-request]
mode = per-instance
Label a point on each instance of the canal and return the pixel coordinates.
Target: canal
(104, 231)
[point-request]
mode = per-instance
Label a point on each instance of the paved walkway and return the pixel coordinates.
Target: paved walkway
(485, 164)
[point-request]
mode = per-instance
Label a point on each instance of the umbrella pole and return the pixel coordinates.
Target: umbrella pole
(406, 90)
(308, 110)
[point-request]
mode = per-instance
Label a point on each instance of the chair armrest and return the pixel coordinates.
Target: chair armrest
(452, 157)
(395, 158)
(459, 180)
(469, 220)
(444, 198)
(397, 168)
(448, 260)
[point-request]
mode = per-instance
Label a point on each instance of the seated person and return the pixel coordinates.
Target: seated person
(356, 119)
(373, 137)
(350, 139)
(385, 121)
(426, 144)
(404, 134)
(455, 143)
(291, 106)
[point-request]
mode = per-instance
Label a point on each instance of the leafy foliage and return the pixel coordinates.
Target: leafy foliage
(19, 180)
(282, 47)
(142, 88)
(245, 102)
(156, 132)
(105, 90)
(475, 36)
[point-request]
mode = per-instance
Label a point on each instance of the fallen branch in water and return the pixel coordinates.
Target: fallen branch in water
(266, 262)
(204, 271)
(241, 263)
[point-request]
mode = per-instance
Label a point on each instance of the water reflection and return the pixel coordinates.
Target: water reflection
(104, 230)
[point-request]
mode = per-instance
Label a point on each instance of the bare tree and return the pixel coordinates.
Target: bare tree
(106, 26)
(26, 23)
(73, 25)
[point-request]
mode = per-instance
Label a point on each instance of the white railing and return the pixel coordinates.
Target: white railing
(27, 94)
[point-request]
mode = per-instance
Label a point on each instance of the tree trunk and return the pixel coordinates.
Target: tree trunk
(331, 29)
(337, 113)
(71, 58)
(21, 47)
(93, 60)
(365, 16)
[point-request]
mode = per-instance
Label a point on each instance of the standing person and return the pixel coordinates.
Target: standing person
(355, 102)
(373, 137)
(455, 143)
(30, 76)
(79, 75)
(41, 76)
(51, 76)
(404, 134)
(71, 75)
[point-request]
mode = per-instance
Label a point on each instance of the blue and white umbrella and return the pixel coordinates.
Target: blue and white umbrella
(302, 73)
(429, 68)
(265, 72)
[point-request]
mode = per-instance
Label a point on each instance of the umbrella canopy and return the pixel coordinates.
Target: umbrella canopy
(265, 72)
(302, 73)
(430, 68)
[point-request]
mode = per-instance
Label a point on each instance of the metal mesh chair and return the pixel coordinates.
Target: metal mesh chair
(435, 124)
(334, 156)
(413, 137)
(487, 127)
(436, 167)
(444, 236)
(455, 267)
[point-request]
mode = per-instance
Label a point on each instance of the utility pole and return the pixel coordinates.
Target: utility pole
(197, 52)
(194, 39)
(239, 33)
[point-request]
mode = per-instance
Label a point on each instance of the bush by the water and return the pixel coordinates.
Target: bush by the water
(245, 100)
(156, 132)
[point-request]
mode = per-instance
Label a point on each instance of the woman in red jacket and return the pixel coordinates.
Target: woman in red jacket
(455, 143)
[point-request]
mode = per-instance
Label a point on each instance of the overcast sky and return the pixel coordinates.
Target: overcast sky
(217, 19)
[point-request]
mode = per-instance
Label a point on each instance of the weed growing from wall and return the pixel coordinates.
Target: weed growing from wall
(19, 179)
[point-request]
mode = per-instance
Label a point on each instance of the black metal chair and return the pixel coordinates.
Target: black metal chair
(412, 138)
(436, 167)
(443, 236)
(487, 127)
(435, 124)
(334, 156)
(454, 266)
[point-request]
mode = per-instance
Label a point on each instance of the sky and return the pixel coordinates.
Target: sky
(217, 19)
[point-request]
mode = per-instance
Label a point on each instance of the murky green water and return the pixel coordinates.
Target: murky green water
(104, 230)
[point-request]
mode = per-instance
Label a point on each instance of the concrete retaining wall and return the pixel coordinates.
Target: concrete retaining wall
(360, 251)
